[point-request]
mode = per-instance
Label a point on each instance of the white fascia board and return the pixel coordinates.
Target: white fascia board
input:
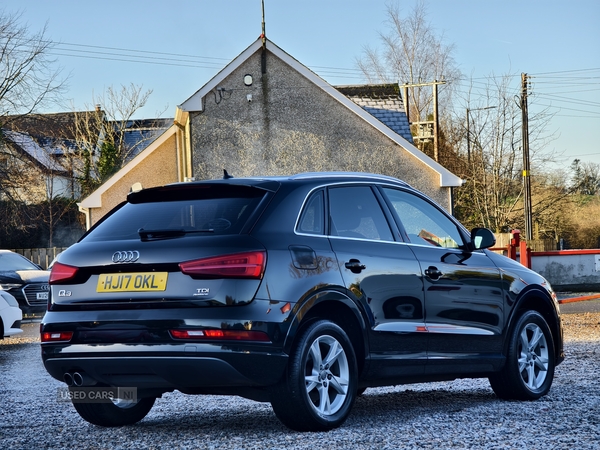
(94, 200)
(194, 103)
(447, 178)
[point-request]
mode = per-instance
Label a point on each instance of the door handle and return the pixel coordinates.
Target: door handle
(433, 273)
(355, 266)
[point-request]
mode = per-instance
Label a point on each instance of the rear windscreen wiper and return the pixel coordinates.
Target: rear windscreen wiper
(169, 233)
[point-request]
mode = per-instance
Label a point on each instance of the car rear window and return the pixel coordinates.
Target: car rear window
(165, 213)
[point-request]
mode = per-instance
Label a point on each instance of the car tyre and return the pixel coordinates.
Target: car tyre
(115, 414)
(530, 361)
(319, 387)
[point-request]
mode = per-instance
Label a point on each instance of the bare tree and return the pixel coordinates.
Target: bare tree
(411, 53)
(584, 232)
(100, 134)
(36, 194)
(586, 177)
(17, 187)
(489, 155)
(120, 106)
(29, 79)
(493, 192)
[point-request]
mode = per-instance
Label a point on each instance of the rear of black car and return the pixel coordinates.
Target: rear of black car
(140, 300)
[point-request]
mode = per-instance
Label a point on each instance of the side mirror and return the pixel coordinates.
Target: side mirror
(482, 238)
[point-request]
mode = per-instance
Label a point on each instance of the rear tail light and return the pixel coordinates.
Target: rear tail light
(61, 273)
(239, 265)
(56, 336)
(225, 335)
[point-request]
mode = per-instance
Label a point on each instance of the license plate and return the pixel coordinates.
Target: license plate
(41, 296)
(132, 282)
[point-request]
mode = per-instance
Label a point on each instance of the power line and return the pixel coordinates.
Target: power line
(115, 58)
(587, 154)
(343, 71)
(480, 86)
(559, 98)
(566, 71)
(578, 91)
(569, 109)
(139, 51)
(171, 59)
(575, 116)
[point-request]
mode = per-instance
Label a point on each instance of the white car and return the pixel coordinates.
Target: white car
(10, 315)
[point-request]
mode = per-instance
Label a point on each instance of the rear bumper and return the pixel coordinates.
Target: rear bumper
(134, 348)
(174, 372)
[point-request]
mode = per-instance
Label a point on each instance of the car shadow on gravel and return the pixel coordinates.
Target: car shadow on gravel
(236, 415)
(388, 406)
(373, 406)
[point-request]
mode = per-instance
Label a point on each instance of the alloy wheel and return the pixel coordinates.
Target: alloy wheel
(533, 356)
(327, 375)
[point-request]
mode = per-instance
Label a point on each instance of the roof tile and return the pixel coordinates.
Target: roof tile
(382, 101)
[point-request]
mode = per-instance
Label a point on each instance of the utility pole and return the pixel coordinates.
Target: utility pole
(526, 168)
(427, 130)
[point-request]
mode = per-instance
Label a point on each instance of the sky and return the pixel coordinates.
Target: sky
(174, 48)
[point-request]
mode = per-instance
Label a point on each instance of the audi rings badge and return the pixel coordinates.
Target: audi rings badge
(126, 256)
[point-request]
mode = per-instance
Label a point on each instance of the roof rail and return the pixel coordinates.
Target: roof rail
(306, 175)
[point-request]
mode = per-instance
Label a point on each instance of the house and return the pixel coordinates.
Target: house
(138, 134)
(158, 164)
(267, 114)
(42, 153)
(35, 151)
(49, 146)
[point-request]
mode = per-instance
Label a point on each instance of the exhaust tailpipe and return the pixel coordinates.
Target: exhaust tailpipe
(83, 379)
(68, 379)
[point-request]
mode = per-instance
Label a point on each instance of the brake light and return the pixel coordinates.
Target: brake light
(56, 336)
(227, 335)
(61, 273)
(239, 265)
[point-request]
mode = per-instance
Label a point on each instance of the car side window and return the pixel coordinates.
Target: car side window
(355, 212)
(423, 222)
(312, 217)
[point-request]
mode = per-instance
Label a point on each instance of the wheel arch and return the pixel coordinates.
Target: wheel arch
(539, 300)
(337, 308)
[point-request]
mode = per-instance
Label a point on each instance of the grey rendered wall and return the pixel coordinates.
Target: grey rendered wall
(570, 270)
(293, 126)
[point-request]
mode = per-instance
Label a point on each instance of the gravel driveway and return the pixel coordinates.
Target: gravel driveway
(459, 414)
